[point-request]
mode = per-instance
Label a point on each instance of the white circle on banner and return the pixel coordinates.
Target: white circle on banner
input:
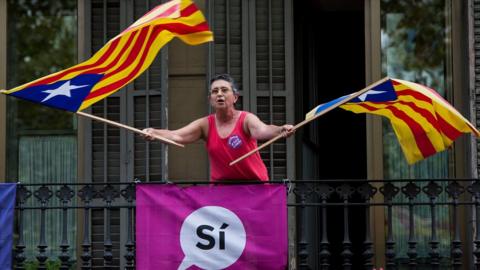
(212, 237)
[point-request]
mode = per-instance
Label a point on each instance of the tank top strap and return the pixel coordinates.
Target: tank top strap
(240, 122)
(243, 114)
(212, 129)
(211, 119)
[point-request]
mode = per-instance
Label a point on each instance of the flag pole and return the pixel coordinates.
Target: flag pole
(306, 121)
(163, 139)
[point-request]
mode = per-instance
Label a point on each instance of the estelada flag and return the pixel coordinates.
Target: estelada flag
(119, 61)
(211, 227)
(423, 121)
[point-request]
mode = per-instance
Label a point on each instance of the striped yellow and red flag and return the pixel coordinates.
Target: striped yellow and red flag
(423, 121)
(119, 61)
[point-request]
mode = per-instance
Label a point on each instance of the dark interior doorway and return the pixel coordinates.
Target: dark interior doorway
(329, 63)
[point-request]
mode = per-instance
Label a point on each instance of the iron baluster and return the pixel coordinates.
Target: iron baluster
(108, 193)
(43, 194)
(345, 191)
(129, 194)
(302, 217)
(455, 190)
(474, 189)
(367, 192)
(411, 190)
(107, 255)
(324, 191)
(389, 191)
(433, 190)
(86, 194)
(324, 244)
(65, 194)
(22, 195)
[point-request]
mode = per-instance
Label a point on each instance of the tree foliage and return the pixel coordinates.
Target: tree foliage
(42, 39)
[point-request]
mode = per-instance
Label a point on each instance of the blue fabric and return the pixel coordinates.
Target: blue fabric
(67, 94)
(7, 207)
(381, 93)
(329, 104)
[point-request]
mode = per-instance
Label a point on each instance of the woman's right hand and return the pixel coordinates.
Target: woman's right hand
(149, 134)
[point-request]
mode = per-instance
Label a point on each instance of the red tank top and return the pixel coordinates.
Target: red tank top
(222, 151)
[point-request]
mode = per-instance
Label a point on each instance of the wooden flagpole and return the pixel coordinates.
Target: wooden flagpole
(306, 121)
(163, 139)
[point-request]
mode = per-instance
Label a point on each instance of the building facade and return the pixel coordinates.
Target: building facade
(287, 57)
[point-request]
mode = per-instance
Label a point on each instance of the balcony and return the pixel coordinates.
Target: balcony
(333, 224)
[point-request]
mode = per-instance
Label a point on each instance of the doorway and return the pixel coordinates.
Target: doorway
(329, 63)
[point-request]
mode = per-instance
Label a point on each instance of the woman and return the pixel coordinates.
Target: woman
(228, 133)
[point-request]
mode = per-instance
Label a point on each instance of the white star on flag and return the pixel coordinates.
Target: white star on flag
(363, 96)
(62, 90)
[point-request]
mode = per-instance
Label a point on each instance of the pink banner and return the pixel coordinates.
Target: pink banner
(211, 227)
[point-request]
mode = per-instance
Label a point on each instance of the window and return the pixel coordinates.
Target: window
(416, 46)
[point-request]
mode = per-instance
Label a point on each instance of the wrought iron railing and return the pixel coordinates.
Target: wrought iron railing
(319, 205)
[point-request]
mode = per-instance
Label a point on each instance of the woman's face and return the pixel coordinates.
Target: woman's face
(222, 95)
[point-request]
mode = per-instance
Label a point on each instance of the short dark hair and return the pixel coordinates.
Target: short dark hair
(225, 77)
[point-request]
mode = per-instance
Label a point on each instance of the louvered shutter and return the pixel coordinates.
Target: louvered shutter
(113, 154)
(106, 140)
(251, 43)
(229, 47)
(148, 110)
(270, 86)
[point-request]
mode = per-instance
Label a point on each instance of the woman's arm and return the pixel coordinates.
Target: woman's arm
(188, 134)
(262, 132)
